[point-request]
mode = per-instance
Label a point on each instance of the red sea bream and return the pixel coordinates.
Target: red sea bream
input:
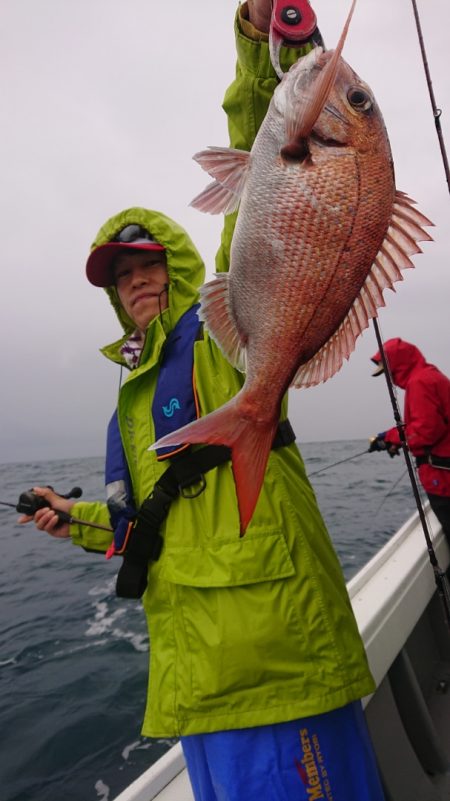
(321, 233)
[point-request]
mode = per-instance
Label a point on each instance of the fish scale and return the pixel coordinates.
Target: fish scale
(308, 272)
(320, 234)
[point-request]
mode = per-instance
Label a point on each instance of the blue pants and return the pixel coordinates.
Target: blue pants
(325, 756)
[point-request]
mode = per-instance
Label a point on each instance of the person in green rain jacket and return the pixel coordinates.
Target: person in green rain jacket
(246, 631)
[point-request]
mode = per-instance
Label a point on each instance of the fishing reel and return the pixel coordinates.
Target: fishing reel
(376, 443)
(29, 503)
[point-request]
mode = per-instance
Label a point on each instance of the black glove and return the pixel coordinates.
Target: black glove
(392, 448)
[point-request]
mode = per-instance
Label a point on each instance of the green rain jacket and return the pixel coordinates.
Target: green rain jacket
(243, 631)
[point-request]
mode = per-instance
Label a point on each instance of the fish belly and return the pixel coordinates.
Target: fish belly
(305, 240)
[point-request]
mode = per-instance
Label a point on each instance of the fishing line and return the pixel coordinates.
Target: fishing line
(391, 490)
(161, 319)
(436, 111)
(341, 461)
(442, 586)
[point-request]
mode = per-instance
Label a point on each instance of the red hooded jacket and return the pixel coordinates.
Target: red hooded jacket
(427, 409)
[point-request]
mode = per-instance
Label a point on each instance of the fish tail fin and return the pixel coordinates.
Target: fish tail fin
(250, 445)
(249, 459)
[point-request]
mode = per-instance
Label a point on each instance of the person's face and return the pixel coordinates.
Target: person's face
(141, 280)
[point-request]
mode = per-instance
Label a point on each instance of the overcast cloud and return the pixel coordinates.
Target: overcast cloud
(103, 105)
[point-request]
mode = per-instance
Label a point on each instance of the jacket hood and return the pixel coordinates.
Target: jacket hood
(184, 266)
(402, 358)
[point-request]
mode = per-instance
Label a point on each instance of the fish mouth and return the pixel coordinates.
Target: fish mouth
(299, 149)
(319, 135)
(325, 141)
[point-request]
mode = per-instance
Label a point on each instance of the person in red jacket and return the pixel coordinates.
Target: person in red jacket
(426, 419)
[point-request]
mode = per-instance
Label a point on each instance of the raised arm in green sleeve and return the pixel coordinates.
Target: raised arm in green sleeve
(247, 100)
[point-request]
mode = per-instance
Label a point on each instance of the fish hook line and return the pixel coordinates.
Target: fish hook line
(341, 461)
(436, 111)
(442, 586)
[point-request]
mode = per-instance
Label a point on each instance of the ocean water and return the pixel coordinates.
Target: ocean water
(73, 657)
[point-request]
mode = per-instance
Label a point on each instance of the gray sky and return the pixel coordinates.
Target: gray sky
(103, 105)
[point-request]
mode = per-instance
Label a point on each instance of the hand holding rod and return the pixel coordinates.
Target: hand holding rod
(29, 503)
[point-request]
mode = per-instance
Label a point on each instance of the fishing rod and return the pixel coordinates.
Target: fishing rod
(29, 503)
(436, 111)
(442, 586)
(341, 461)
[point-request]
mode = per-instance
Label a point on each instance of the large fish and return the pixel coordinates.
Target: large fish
(321, 233)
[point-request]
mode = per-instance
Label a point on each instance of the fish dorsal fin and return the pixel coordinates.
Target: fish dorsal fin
(229, 167)
(215, 312)
(215, 199)
(404, 231)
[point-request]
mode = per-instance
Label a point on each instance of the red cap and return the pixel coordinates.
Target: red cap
(99, 263)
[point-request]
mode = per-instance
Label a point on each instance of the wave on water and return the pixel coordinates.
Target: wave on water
(104, 623)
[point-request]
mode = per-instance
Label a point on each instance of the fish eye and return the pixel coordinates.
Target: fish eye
(359, 98)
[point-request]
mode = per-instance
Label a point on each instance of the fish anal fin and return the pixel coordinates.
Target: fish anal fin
(404, 231)
(216, 313)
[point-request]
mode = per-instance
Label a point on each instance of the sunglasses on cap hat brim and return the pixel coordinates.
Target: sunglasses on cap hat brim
(99, 263)
(379, 369)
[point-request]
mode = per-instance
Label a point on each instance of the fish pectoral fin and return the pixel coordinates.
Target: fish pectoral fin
(229, 167)
(405, 230)
(216, 313)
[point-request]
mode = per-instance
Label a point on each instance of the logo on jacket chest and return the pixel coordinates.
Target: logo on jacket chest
(173, 406)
